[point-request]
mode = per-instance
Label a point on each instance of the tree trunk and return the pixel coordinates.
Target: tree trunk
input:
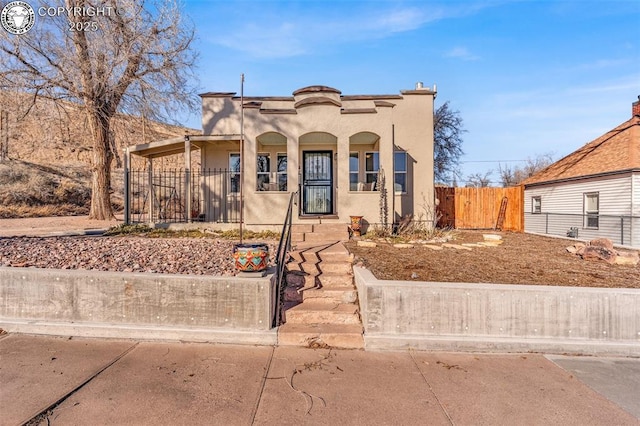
(101, 168)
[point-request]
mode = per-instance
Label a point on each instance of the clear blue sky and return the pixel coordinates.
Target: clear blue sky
(528, 77)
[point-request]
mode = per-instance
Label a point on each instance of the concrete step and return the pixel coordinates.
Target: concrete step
(331, 228)
(325, 313)
(310, 268)
(320, 237)
(342, 294)
(347, 336)
(330, 280)
(335, 253)
(297, 237)
(302, 227)
(333, 268)
(322, 267)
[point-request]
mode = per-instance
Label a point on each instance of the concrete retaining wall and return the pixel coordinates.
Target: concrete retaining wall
(126, 305)
(496, 317)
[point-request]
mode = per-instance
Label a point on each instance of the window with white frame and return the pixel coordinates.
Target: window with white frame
(234, 172)
(282, 172)
(354, 170)
(400, 171)
(591, 210)
(371, 167)
(536, 205)
(262, 173)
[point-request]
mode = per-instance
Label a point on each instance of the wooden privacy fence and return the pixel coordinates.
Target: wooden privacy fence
(479, 208)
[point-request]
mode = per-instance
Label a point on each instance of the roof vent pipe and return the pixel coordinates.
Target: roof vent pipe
(419, 85)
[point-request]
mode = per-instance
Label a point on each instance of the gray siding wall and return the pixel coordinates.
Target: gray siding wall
(562, 208)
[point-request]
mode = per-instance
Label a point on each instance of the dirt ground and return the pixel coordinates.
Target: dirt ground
(521, 259)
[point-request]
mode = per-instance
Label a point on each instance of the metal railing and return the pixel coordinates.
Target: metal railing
(621, 229)
(212, 194)
(284, 246)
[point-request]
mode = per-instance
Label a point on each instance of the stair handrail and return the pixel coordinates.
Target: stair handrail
(284, 246)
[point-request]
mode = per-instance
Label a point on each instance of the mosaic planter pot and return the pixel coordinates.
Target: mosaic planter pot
(251, 257)
(356, 225)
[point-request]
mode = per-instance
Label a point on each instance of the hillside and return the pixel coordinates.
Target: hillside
(48, 171)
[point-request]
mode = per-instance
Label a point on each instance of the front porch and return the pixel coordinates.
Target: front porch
(333, 180)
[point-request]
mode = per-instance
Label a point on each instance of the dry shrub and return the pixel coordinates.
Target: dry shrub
(31, 190)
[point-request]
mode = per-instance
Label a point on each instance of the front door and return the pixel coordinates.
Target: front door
(317, 182)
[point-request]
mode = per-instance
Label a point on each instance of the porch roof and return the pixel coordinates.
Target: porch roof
(176, 145)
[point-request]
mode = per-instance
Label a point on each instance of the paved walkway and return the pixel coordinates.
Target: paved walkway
(111, 382)
(55, 225)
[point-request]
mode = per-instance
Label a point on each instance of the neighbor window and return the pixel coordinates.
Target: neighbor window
(591, 209)
(234, 172)
(372, 165)
(536, 205)
(354, 169)
(400, 171)
(262, 173)
(282, 172)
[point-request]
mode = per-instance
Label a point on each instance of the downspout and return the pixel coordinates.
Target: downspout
(632, 217)
(393, 174)
(241, 155)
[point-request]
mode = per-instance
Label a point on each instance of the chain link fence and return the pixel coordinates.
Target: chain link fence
(623, 230)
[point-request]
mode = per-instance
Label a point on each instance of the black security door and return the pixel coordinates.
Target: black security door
(317, 182)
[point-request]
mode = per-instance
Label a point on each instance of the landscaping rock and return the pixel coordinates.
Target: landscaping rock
(602, 242)
(432, 247)
(491, 237)
(577, 248)
(627, 258)
(599, 253)
(367, 244)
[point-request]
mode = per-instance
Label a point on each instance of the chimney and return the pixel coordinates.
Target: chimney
(635, 107)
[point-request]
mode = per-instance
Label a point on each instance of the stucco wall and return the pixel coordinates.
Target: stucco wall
(406, 119)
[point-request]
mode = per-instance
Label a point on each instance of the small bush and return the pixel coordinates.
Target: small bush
(124, 229)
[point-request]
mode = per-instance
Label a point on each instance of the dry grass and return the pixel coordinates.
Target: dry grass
(49, 171)
(30, 190)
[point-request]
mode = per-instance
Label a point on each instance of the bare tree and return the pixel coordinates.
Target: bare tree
(447, 135)
(479, 180)
(510, 176)
(133, 56)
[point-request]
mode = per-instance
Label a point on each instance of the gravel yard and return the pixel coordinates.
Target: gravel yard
(199, 256)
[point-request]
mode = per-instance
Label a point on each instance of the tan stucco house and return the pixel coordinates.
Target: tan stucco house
(326, 147)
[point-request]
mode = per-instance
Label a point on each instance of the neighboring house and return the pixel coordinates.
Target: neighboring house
(593, 192)
(327, 147)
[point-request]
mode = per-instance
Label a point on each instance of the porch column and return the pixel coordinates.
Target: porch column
(187, 177)
(293, 164)
(127, 186)
(342, 178)
(151, 197)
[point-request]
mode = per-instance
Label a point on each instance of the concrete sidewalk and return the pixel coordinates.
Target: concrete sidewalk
(117, 382)
(55, 226)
